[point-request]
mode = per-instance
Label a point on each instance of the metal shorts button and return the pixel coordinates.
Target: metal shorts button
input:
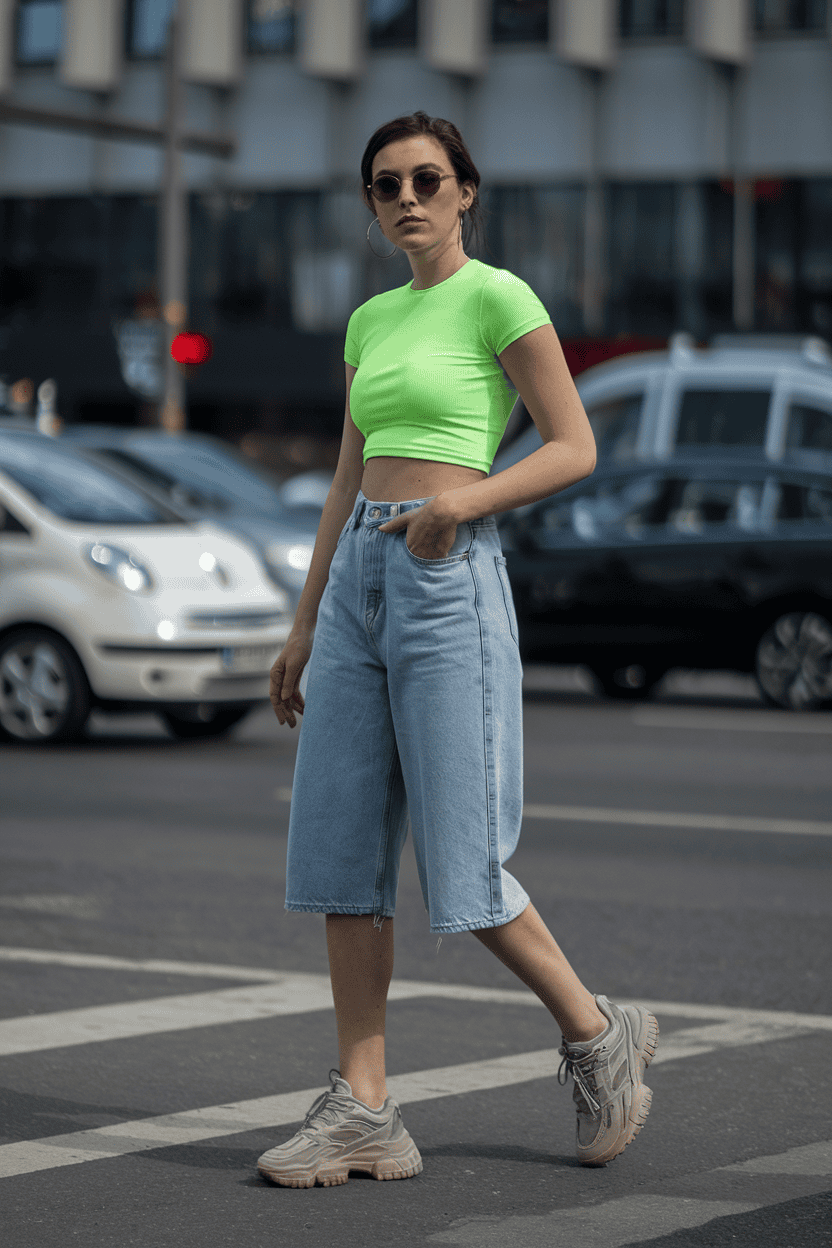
(376, 511)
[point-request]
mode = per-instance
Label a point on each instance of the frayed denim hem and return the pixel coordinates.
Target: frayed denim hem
(323, 908)
(449, 928)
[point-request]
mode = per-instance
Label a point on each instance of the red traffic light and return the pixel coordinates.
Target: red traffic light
(190, 348)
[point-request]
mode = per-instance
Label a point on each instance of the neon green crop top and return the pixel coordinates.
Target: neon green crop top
(429, 384)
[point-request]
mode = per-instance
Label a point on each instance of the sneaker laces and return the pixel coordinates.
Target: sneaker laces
(325, 1110)
(582, 1069)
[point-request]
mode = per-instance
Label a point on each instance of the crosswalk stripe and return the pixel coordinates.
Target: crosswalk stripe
(677, 819)
(214, 1121)
(297, 993)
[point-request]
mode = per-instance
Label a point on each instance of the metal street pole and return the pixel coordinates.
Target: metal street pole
(173, 235)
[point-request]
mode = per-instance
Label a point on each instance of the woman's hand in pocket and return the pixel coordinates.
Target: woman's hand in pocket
(430, 532)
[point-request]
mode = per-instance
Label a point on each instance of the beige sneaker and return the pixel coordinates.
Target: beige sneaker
(341, 1134)
(611, 1098)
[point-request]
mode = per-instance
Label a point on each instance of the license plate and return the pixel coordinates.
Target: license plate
(249, 658)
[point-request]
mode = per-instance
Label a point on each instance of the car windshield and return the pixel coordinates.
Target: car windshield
(72, 488)
(213, 473)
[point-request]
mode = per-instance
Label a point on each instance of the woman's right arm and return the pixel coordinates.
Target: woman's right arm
(285, 694)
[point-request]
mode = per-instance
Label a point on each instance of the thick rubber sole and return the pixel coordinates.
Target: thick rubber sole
(401, 1161)
(641, 1101)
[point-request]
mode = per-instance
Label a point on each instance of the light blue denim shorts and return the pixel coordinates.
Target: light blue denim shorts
(413, 716)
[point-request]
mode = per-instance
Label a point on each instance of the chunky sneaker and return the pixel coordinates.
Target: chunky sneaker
(341, 1134)
(612, 1100)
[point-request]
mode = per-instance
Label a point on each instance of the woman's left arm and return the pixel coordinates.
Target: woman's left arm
(536, 365)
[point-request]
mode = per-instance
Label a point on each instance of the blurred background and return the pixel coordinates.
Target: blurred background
(648, 166)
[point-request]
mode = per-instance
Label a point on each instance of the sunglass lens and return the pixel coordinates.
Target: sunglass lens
(426, 183)
(386, 188)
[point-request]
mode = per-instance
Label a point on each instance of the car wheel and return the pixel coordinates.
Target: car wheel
(632, 681)
(204, 721)
(794, 662)
(44, 694)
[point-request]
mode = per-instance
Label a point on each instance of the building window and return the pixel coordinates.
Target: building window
(639, 19)
(39, 31)
(147, 27)
(794, 256)
(779, 17)
(271, 26)
(391, 23)
(520, 21)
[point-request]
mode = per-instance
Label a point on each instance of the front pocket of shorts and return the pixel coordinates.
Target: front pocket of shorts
(502, 572)
(457, 554)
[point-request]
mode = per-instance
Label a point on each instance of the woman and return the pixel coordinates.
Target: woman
(414, 685)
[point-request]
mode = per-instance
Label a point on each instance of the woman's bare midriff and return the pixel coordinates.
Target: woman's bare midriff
(395, 479)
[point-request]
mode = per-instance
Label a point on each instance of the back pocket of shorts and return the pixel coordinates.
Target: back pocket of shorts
(502, 572)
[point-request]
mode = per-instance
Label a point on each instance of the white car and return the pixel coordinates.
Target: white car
(744, 394)
(108, 598)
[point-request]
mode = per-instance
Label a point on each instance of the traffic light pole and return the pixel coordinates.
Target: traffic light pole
(173, 236)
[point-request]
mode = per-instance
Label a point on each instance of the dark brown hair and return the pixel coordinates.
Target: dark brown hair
(446, 133)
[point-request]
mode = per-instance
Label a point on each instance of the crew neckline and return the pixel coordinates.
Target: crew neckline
(427, 289)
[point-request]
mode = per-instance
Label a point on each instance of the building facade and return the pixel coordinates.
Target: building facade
(647, 166)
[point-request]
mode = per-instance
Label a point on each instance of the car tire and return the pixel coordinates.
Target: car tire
(205, 721)
(630, 681)
(793, 663)
(44, 693)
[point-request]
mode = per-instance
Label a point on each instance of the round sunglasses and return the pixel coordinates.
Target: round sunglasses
(426, 182)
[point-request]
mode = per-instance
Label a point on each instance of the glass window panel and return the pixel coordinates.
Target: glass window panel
(604, 511)
(809, 434)
(271, 26)
(614, 425)
(73, 489)
(392, 23)
(644, 18)
(723, 418)
(705, 505)
(779, 16)
(641, 258)
(537, 233)
(520, 21)
(149, 27)
(817, 504)
(39, 31)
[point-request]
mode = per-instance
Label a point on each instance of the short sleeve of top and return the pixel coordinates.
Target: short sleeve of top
(428, 383)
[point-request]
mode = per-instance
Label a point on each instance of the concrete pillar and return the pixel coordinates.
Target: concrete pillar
(453, 35)
(93, 44)
(331, 38)
(212, 41)
(584, 32)
(8, 8)
(720, 29)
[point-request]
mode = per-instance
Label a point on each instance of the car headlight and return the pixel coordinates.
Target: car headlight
(120, 565)
(294, 555)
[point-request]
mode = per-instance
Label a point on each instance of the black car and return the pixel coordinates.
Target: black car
(692, 561)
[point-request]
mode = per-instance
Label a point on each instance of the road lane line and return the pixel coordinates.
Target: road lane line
(751, 721)
(676, 819)
(644, 1217)
(215, 1121)
(153, 966)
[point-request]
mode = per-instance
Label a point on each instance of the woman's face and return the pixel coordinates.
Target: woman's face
(439, 214)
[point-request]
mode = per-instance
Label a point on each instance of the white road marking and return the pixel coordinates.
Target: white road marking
(153, 966)
(736, 721)
(635, 1219)
(296, 993)
(215, 1121)
(67, 905)
(676, 819)
(662, 818)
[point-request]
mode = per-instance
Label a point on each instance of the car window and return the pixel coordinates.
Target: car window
(707, 506)
(215, 475)
(614, 425)
(619, 507)
(809, 434)
(72, 488)
(789, 504)
(723, 417)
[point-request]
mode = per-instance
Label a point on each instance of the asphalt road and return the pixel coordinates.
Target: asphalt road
(680, 850)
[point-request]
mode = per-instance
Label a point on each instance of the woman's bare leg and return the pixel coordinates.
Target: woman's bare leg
(527, 947)
(361, 967)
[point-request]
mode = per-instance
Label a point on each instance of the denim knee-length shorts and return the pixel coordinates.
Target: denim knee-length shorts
(413, 714)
